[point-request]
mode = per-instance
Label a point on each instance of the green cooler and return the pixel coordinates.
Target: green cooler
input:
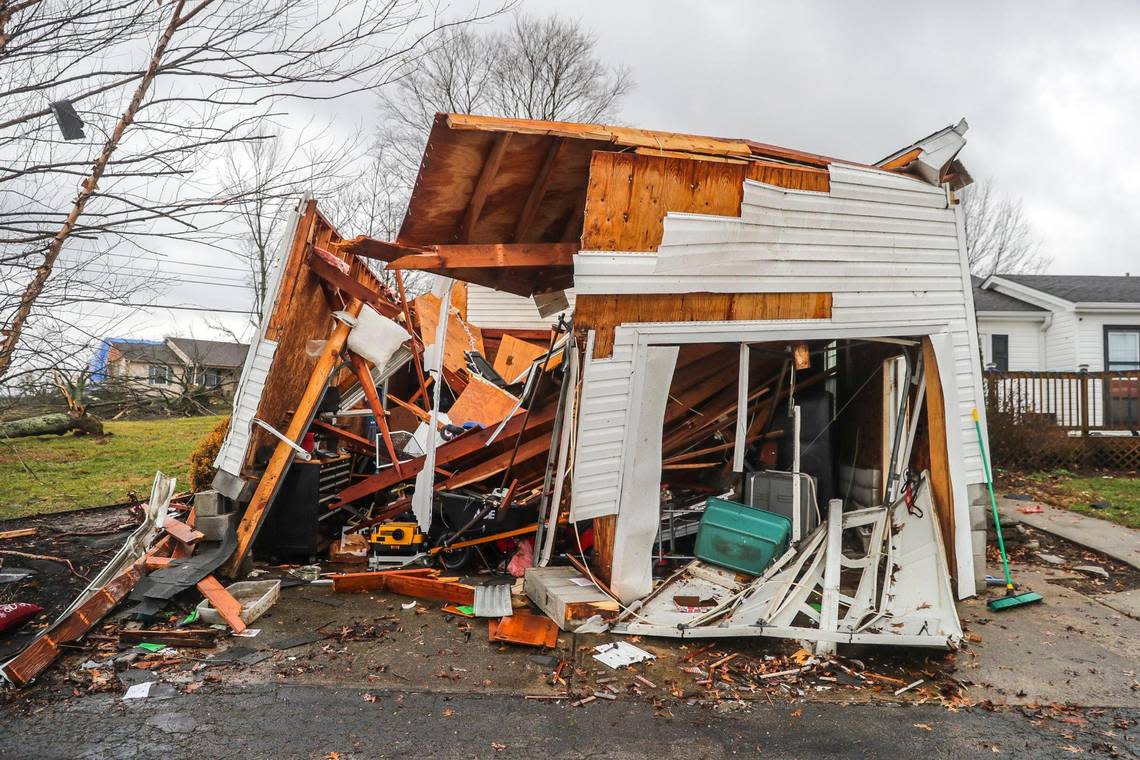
(741, 537)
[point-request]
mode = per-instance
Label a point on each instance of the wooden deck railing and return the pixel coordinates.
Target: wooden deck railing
(1041, 419)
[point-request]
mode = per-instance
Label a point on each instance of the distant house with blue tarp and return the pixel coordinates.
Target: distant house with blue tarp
(160, 366)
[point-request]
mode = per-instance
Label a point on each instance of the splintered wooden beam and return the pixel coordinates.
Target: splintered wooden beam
(321, 266)
(37, 656)
(483, 185)
(490, 256)
(371, 248)
(538, 191)
(364, 376)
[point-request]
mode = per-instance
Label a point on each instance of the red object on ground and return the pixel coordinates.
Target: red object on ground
(15, 614)
(524, 558)
(1033, 509)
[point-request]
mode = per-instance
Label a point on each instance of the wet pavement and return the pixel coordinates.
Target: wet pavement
(329, 723)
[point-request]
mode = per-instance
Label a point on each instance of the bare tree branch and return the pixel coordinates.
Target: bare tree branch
(999, 240)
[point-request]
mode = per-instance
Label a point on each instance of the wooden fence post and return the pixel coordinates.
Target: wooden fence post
(1085, 454)
(1084, 402)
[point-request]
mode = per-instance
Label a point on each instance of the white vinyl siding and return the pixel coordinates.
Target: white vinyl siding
(885, 245)
(1025, 342)
(497, 309)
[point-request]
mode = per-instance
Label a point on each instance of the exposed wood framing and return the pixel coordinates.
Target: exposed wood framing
(483, 185)
(447, 452)
(523, 230)
(283, 453)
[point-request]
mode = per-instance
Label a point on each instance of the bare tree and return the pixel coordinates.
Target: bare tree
(999, 240)
(539, 68)
(269, 175)
(147, 96)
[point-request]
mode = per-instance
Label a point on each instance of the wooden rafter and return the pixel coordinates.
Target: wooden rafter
(538, 190)
(483, 185)
(490, 256)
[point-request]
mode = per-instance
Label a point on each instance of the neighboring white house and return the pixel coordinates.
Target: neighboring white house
(1058, 322)
(1065, 323)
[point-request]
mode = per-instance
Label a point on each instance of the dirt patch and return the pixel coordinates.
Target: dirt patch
(1026, 545)
(87, 538)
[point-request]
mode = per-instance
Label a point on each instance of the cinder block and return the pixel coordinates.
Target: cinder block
(210, 503)
(978, 514)
(215, 527)
(978, 544)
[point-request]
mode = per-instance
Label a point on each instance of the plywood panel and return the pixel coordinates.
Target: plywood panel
(514, 356)
(481, 402)
(602, 313)
(629, 195)
(461, 337)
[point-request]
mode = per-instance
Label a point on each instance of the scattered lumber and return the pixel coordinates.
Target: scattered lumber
(28, 664)
(199, 638)
(222, 601)
(181, 531)
(417, 583)
(17, 533)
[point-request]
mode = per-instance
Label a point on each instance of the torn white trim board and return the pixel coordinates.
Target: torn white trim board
(640, 502)
(424, 494)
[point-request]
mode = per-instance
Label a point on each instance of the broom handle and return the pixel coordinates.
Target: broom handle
(993, 501)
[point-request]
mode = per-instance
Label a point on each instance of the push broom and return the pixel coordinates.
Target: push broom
(1011, 599)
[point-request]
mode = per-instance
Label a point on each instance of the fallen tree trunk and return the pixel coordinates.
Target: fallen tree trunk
(51, 424)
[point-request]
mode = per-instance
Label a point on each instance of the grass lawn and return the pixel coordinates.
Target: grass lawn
(1074, 491)
(71, 472)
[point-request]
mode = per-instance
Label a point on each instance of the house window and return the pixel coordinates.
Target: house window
(207, 377)
(158, 374)
(999, 352)
(1121, 348)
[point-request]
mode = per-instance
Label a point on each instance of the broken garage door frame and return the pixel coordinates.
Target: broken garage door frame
(637, 506)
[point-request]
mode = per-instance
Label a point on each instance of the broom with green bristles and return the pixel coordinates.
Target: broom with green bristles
(1011, 599)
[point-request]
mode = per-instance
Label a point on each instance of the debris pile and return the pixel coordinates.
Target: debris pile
(698, 448)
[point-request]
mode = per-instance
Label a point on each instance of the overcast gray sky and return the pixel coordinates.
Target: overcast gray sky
(1050, 89)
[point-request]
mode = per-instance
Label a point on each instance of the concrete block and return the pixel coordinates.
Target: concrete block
(215, 527)
(210, 503)
(978, 544)
(978, 514)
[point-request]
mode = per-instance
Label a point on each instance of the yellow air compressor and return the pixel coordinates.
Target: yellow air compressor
(399, 534)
